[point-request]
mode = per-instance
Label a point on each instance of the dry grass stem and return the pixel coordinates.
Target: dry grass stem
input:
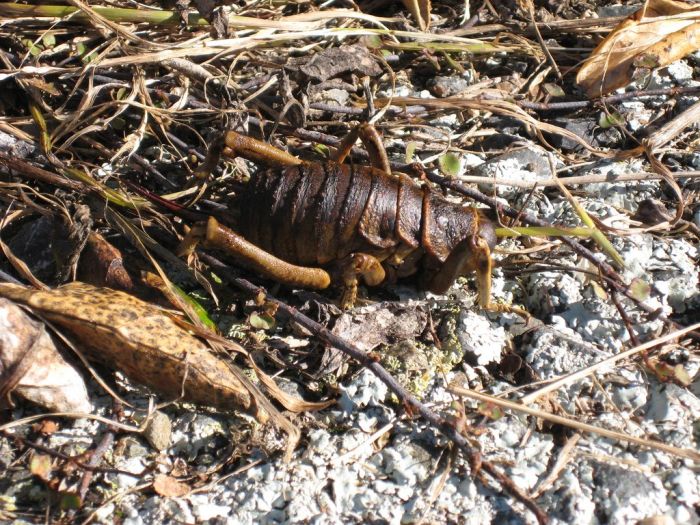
(557, 383)
(572, 423)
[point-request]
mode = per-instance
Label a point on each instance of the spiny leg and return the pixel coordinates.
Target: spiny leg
(372, 141)
(465, 257)
(484, 268)
(343, 149)
(216, 236)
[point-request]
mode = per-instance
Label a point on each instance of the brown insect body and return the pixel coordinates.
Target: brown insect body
(309, 224)
(319, 213)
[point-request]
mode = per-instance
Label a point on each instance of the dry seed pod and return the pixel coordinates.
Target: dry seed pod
(140, 340)
(31, 366)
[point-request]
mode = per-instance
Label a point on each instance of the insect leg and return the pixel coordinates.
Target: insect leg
(471, 255)
(214, 235)
(345, 146)
(237, 145)
(355, 266)
(372, 142)
(233, 144)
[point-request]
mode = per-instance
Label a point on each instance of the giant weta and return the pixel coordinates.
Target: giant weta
(310, 224)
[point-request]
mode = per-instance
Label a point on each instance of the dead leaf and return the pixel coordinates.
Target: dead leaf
(335, 61)
(140, 340)
(291, 403)
(102, 264)
(169, 487)
(32, 366)
(47, 427)
(669, 373)
(660, 33)
(381, 323)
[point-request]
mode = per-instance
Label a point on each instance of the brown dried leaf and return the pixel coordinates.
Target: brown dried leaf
(660, 33)
(169, 487)
(335, 61)
(142, 341)
(290, 402)
(378, 324)
(31, 366)
(102, 264)
(669, 373)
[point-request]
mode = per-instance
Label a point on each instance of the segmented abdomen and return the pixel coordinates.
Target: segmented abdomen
(314, 213)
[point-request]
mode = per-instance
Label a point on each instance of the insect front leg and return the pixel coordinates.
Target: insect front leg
(471, 255)
(219, 237)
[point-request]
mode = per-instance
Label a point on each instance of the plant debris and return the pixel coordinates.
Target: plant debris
(142, 341)
(574, 398)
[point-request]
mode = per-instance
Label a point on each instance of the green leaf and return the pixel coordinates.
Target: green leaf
(639, 289)
(261, 321)
(609, 120)
(89, 58)
(34, 49)
(553, 90)
(323, 150)
(197, 308)
(450, 164)
(70, 501)
(49, 40)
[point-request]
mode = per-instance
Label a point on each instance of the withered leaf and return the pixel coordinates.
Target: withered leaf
(334, 61)
(140, 340)
(32, 366)
(169, 487)
(101, 264)
(382, 323)
(661, 32)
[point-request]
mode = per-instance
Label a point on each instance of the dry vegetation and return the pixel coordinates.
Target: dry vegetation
(107, 111)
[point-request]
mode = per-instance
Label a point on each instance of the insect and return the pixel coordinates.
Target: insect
(310, 224)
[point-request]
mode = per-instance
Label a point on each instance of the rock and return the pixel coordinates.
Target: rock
(520, 164)
(158, 432)
(443, 87)
(365, 389)
(626, 495)
(482, 342)
(589, 130)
